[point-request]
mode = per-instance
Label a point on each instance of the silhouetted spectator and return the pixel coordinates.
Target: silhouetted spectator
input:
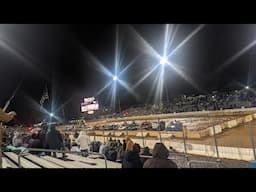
(160, 158)
(124, 144)
(34, 142)
(53, 139)
(76, 135)
(132, 158)
(67, 142)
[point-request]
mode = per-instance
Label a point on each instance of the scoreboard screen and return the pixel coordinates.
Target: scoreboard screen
(89, 105)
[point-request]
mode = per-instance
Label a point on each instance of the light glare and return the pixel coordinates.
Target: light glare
(115, 78)
(163, 61)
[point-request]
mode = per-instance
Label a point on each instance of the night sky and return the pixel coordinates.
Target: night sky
(60, 56)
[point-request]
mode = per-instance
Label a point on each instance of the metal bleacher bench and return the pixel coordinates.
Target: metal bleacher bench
(23, 159)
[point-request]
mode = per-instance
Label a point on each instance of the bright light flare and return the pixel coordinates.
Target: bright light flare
(38, 107)
(184, 75)
(145, 45)
(115, 78)
(128, 88)
(163, 60)
(236, 56)
(103, 89)
(194, 32)
(20, 54)
(145, 77)
(247, 87)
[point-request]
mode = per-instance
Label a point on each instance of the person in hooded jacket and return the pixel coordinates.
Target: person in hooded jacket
(53, 139)
(160, 158)
(132, 158)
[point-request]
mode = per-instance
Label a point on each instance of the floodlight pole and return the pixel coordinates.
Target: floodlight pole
(159, 129)
(215, 142)
(119, 104)
(142, 136)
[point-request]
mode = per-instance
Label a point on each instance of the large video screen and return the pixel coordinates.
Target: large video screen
(89, 104)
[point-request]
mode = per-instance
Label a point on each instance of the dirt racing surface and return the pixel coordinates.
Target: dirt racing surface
(234, 137)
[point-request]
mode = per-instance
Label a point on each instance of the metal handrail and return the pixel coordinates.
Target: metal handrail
(23, 151)
(209, 162)
(171, 158)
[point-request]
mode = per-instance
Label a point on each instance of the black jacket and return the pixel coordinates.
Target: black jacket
(53, 139)
(131, 160)
(160, 158)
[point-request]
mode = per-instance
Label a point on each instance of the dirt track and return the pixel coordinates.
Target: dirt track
(234, 137)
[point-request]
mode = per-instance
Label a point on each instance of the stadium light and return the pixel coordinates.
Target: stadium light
(163, 60)
(247, 87)
(115, 78)
(51, 114)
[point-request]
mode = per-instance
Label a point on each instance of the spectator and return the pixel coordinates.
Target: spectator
(105, 149)
(17, 140)
(124, 145)
(53, 139)
(74, 146)
(145, 152)
(110, 142)
(102, 148)
(118, 144)
(95, 146)
(41, 136)
(132, 158)
(112, 153)
(67, 142)
(120, 151)
(129, 144)
(76, 135)
(160, 158)
(34, 142)
(83, 141)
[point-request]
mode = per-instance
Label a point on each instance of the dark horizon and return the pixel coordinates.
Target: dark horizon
(63, 57)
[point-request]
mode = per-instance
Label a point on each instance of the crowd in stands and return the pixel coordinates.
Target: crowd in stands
(129, 154)
(215, 100)
(126, 152)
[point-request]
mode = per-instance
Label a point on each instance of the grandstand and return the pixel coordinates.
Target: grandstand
(19, 159)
